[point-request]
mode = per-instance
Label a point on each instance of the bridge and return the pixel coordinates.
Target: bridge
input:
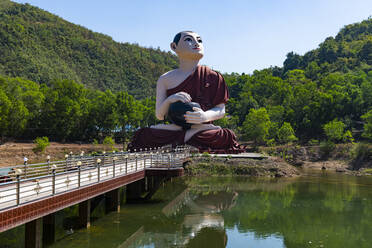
(30, 194)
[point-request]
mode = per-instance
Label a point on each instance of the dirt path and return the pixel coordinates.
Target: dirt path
(12, 153)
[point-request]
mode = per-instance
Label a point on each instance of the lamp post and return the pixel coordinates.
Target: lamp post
(54, 167)
(18, 173)
(48, 161)
(98, 168)
(126, 164)
(103, 159)
(79, 172)
(66, 157)
(25, 159)
(113, 166)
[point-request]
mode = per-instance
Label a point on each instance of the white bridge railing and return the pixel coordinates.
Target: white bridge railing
(30, 182)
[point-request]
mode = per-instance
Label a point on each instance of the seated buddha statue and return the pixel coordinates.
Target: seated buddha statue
(199, 88)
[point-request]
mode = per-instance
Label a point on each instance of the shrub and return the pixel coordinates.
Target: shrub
(348, 137)
(270, 142)
(286, 133)
(109, 143)
(206, 155)
(367, 133)
(314, 142)
(326, 147)
(334, 130)
(361, 152)
(41, 144)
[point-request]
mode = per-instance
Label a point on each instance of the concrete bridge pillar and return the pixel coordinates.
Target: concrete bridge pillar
(84, 213)
(135, 190)
(113, 200)
(49, 229)
(34, 233)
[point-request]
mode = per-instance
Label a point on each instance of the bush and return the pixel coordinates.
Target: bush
(334, 130)
(361, 152)
(206, 155)
(314, 142)
(270, 142)
(326, 147)
(286, 133)
(348, 137)
(109, 143)
(41, 144)
(367, 133)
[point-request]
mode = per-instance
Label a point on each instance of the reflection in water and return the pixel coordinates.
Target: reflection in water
(326, 210)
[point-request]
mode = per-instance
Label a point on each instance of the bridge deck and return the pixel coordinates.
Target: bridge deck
(24, 199)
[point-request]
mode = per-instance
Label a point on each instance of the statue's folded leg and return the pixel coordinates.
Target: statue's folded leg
(198, 128)
(153, 138)
(172, 127)
(220, 140)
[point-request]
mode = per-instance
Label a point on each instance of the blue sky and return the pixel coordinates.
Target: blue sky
(239, 36)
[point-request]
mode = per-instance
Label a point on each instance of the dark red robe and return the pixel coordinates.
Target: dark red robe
(208, 88)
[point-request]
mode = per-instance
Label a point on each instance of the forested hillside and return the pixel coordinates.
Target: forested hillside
(66, 82)
(329, 85)
(40, 46)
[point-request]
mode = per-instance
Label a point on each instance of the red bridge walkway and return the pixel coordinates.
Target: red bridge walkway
(33, 191)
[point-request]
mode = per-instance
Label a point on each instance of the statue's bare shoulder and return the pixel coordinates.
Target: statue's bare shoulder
(168, 79)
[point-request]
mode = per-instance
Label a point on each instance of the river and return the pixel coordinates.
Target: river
(315, 210)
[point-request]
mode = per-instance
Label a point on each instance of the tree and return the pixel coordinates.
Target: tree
(148, 111)
(367, 118)
(286, 133)
(293, 61)
(5, 106)
(256, 125)
(130, 113)
(18, 116)
(103, 112)
(334, 130)
(65, 110)
(366, 52)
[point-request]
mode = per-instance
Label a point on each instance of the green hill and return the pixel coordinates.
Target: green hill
(325, 92)
(40, 46)
(350, 50)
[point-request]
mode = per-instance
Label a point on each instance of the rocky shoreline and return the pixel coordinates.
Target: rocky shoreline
(286, 161)
(354, 159)
(212, 166)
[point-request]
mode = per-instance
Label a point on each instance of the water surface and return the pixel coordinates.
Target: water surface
(321, 210)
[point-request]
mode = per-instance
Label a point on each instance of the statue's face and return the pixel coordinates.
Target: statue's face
(190, 46)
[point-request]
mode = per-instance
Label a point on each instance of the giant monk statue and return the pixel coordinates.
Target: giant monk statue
(191, 97)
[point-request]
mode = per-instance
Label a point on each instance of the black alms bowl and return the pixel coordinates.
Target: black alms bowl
(177, 110)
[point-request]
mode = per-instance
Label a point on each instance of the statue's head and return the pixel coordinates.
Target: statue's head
(188, 45)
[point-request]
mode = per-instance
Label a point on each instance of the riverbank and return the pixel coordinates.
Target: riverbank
(289, 161)
(269, 167)
(355, 159)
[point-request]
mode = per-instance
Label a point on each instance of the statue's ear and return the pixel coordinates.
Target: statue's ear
(173, 46)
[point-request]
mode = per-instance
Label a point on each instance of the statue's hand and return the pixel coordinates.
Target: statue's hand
(196, 117)
(179, 96)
